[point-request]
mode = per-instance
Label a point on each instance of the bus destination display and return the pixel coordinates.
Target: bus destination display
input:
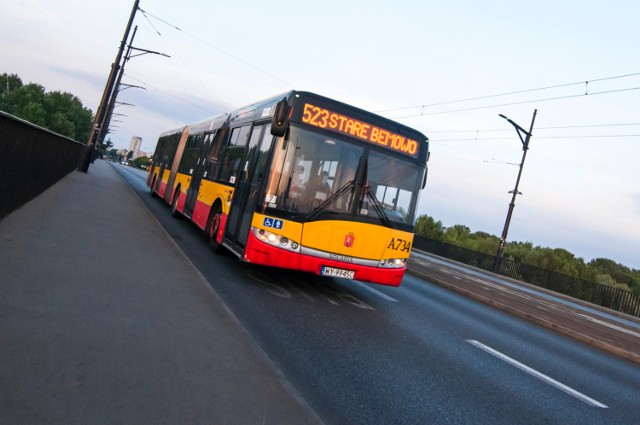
(329, 120)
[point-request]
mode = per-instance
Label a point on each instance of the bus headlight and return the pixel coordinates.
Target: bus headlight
(393, 263)
(276, 240)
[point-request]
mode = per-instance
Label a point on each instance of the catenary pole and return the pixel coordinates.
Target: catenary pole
(525, 148)
(106, 95)
(104, 127)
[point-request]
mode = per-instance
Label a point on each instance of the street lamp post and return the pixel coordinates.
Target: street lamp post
(525, 147)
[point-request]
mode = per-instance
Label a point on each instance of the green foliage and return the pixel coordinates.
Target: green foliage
(429, 228)
(618, 272)
(112, 154)
(68, 116)
(518, 251)
(141, 162)
(484, 242)
(105, 147)
(559, 260)
(59, 112)
(26, 102)
(457, 235)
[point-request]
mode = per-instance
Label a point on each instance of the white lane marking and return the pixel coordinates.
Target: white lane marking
(375, 291)
(538, 375)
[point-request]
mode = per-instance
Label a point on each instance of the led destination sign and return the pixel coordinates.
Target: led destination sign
(324, 118)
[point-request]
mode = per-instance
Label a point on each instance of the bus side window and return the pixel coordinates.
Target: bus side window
(191, 151)
(213, 156)
(232, 155)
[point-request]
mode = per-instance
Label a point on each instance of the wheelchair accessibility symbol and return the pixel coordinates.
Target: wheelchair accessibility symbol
(273, 223)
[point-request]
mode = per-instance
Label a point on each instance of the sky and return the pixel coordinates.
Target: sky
(446, 68)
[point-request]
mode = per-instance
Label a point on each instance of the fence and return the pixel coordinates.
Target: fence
(596, 293)
(31, 160)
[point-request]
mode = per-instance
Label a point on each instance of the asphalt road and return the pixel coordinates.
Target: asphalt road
(418, 354)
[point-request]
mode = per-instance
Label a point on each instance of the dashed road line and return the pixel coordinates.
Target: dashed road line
(538, 375)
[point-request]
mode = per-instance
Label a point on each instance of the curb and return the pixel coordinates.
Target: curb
(604, 346)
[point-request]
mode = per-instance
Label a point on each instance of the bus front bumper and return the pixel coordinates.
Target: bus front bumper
(259, 252)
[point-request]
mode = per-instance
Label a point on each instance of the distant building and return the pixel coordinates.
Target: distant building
(135, 144)
(134, 147)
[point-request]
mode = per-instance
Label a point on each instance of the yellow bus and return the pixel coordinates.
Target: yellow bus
(299, 181)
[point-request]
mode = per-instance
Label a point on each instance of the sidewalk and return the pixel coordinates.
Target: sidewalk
(103, 320)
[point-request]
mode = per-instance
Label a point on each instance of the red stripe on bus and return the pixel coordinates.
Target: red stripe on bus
(258, 252)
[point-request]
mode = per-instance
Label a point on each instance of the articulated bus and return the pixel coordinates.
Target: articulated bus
(300, 182)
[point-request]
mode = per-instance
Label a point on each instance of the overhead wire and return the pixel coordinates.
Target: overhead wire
(178, 55)
(586, 82)
(145, 13)
(537, 128)
(517, 103)
(172, 95)
(591, 136)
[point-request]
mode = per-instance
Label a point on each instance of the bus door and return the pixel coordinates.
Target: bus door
(173, 161)
(202, 147)
(246, 196)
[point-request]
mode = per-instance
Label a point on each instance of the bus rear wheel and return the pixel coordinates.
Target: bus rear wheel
(152, 192)
(213, 225)
(174, 205)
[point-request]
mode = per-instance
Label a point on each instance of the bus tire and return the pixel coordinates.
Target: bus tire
(213, 225)
(174, 205)
(152, 191)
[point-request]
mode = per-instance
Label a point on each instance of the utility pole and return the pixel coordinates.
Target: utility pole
(106, 95)
(525, 148)
(104, 128)
(104, 125)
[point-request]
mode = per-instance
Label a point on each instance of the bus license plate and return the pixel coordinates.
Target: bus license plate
(345, 274)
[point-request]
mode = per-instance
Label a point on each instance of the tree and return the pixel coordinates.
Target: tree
(560, 260)
(141, 162)
(457, 235)
(483, 242)
(8, 83)
(113, 154)
(557, 260)
(429, 228)
(518, 251)
(616, 271)
(59, 112)
(67, 116)
(27, 102)
(105, 147)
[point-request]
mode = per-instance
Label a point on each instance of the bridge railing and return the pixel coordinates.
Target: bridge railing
(31, 160)
(596, 293)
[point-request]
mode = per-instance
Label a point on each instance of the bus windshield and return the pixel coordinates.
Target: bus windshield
(314, 174)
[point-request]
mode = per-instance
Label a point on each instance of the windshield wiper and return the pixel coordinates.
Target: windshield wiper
(330, 200)
(378, 207)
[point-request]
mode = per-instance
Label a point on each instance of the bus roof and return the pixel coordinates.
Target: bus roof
(309, 110)
(264, 108)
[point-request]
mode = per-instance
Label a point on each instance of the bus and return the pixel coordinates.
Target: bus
(298, 181)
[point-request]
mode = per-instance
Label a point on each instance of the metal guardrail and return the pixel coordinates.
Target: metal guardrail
(31, 160)
(607, 296)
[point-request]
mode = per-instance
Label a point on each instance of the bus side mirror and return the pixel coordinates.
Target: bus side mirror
(281, 118)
